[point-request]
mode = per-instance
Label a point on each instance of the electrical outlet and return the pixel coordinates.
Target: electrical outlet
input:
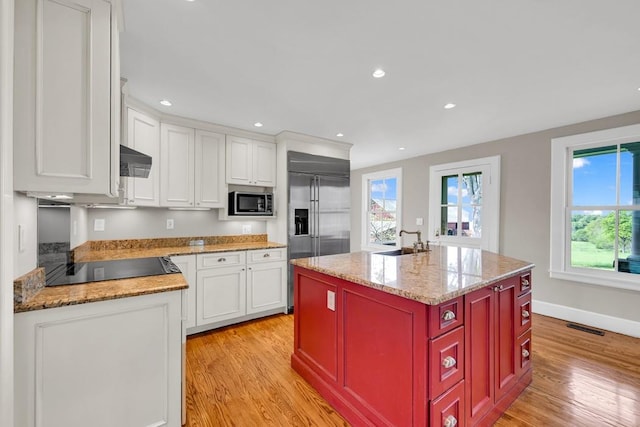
(246, 229)
(21, 238)
(419, 221)
(331, 300)
(170, 224)
(98, 224)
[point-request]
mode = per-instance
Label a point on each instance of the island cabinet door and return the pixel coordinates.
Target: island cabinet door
(316, 324)
(479, 353)
(448, 409)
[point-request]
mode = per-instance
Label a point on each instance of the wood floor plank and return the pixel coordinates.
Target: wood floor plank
(242, 376)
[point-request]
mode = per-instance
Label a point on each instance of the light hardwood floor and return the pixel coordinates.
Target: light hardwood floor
(241, 376)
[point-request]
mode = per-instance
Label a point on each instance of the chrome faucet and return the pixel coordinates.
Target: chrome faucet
(418, 242)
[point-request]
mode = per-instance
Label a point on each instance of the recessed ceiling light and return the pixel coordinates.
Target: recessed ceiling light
(339, 134)
(166, 103)
(401, 148)
(378, 73)
(258, 124)
(449, 106)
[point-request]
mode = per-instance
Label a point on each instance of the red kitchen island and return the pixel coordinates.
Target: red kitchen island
(440, 338)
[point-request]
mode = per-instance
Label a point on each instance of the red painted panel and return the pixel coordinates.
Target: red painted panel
(505, 337)
(446, 316)
(448, 410)
(479, 353)
(443, 351)
(378, 357)
(316, 325)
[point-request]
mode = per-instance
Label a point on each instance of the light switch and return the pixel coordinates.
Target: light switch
(419, 221)
(331, 300)
(170, 224)
(246, 229)
(21, 241)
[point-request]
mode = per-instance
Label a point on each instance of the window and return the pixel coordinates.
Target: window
(595, 207)
(382, 219)
(464, 203)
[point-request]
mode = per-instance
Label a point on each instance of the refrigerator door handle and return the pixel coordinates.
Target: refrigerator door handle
(317, 214)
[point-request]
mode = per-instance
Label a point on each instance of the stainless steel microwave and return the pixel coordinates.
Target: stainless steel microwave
(242, 203)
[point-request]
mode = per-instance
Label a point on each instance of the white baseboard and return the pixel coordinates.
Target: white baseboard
(596, 320)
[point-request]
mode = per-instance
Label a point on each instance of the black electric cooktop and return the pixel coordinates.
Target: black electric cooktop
(85, 272)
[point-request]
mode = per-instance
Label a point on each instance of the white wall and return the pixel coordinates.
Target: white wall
(6, 212)
(144, 223)
(524, 214)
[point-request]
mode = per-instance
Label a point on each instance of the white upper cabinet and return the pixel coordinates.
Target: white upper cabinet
(209, 170)
(251, 162)
(177, 156)
(143, 134)
(65, 111)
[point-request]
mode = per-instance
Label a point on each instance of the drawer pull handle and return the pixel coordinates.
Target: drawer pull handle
(450, 421)
(525, 314)
(525, 283)
(222, 259)
(525, 353)
(448, 315)
(449, 362)
(266, 256)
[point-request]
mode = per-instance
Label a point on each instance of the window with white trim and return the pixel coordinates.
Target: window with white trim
(382, 193)
(595, 207)
(464, 203)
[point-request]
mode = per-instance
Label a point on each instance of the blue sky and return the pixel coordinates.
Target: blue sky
(594, 180)
(383, 189)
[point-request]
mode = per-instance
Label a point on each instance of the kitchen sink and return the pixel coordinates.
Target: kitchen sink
(397, 252)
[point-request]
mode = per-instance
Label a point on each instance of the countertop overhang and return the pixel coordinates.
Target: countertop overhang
(432, 277)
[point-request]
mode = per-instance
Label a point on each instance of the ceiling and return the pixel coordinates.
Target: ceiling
(510, 66)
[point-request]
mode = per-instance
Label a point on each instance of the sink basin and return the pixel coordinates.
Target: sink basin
(397, 252)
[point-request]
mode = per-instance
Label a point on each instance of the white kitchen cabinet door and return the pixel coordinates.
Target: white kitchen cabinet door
(143, 134)
(266, 286)
(187, 265)
(63, 98)
(177, 154)
(101, 364)
(264, 164)
(221, 294)
(209, 170)
(250, 162)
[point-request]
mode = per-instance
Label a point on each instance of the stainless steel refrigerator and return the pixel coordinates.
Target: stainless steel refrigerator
(318, 215)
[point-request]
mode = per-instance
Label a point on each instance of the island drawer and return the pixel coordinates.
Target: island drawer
(448, 409)
(446, 361)
(445, 317)
(523, 353)
(220, 259)
(525, 283)
(523, 314)
(266, 255)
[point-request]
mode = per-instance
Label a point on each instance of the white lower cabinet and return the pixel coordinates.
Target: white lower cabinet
(100, 364)
(232, 287)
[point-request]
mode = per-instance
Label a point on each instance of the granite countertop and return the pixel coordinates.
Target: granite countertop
(31, 294)
(431, 277)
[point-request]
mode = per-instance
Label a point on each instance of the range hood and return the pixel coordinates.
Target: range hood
(134, 163)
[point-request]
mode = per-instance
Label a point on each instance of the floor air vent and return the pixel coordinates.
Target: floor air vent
(585, 329)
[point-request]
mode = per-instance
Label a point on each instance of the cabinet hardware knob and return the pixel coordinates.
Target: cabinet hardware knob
(449, 362)
(525, 353)
(448, 315)
(525, 283)
(501, 287)
(525, 314)
(131, 200)
(450, 421)
(222, 259)
(266, 256)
